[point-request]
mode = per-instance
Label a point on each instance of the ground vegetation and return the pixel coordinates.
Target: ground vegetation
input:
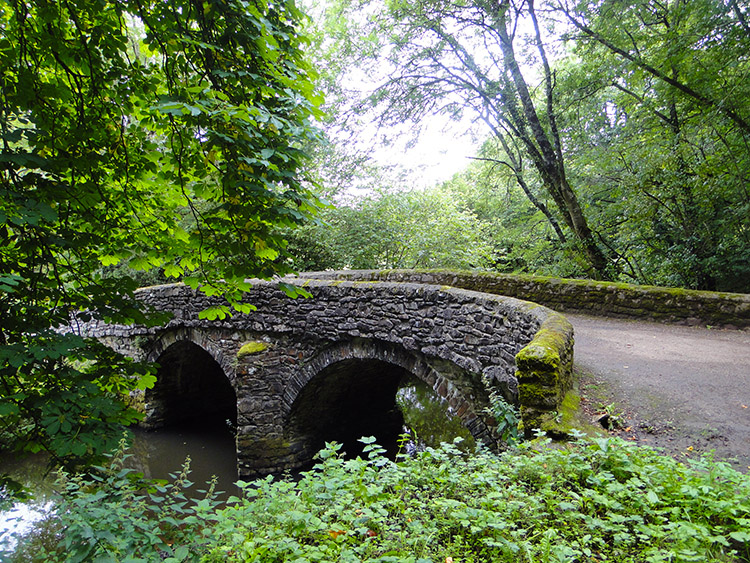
(591, 500)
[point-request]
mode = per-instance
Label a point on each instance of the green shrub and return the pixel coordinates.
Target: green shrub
(590, 500)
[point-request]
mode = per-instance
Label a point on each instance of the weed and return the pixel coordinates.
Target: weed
(507, 418)
(589, 500)
(114, 514)
(611, 417)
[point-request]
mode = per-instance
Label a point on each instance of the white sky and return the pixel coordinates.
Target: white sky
(443, 149)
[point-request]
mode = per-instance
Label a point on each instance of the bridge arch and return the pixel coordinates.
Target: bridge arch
(155, 345)
(348, 389)
(191, 385)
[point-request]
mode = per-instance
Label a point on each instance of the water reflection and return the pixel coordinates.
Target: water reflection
(428, 419)
(17, 518)
(156, 454)
(211, 447)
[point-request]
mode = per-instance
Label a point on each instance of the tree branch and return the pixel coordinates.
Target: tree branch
(640, 63)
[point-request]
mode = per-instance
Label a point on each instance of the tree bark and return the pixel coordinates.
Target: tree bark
(547, 155)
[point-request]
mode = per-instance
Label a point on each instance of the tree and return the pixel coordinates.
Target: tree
(395, 229)
(522, 236)
(454, 57)
(710, 23)
(658, 97)
(143, 133)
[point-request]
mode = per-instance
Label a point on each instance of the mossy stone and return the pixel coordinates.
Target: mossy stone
(250, 348)
(569, 417)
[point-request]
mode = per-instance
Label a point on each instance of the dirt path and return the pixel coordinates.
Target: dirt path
(683, 389)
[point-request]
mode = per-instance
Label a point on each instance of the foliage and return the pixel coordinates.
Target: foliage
(644, 102)
(117, 515)
(508, 419)
(135, 135)
(462, 60)
(658, 131)
(602, 499)
(395, 229)
(596, 500)
(523, 239)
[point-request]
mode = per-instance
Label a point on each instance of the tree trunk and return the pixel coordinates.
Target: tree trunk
(546, 153)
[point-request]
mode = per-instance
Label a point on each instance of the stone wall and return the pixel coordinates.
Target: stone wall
(463, 343)
(683, 306)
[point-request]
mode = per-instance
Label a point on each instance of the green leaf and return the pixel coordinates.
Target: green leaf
(173, 271)
(220, 312)
(140, 263)
(245, 308)
(8, 408)
(740, 536)
(79, 448)
(109, 260)
(146, 382)
(266, 253)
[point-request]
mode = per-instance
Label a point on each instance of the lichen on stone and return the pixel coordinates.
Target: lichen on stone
(250, 348)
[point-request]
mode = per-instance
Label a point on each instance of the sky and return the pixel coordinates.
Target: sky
(442, 150)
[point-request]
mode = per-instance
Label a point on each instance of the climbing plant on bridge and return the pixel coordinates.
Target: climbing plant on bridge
(140, 134)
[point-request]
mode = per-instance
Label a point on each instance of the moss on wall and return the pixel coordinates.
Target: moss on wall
(544, 373)
(610, 299)
(251, 348)
(568, 419)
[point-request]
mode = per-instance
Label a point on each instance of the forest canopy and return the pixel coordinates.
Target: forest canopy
(136, 136)
(618, 130)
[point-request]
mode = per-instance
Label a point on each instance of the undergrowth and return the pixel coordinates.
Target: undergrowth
(591, 500)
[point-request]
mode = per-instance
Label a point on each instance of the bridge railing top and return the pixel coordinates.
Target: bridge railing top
(607, 299)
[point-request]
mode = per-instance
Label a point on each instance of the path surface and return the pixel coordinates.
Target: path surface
(683, 389)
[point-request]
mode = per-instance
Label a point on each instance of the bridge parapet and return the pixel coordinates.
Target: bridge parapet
(607, 299)
(465, 344)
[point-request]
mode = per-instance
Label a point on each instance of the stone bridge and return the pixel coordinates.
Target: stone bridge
(296, 373)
